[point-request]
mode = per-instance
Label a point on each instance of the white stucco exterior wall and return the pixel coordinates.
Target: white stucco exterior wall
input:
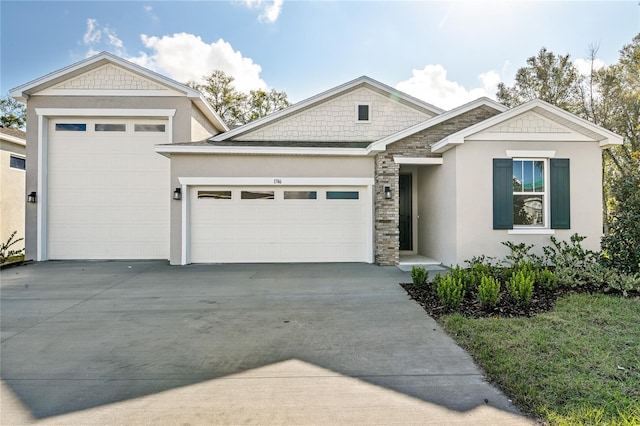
(12, 194)
(474, 195)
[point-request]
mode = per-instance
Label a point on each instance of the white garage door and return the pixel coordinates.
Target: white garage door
(279, 224)
(108, 196)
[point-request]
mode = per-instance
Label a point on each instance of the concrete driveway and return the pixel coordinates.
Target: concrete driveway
(148, 343)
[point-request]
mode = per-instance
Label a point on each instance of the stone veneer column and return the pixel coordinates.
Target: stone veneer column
(387, 218)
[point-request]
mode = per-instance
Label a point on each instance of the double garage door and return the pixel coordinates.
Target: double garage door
(279, 224)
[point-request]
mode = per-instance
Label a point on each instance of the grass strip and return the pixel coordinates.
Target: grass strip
(578, 364)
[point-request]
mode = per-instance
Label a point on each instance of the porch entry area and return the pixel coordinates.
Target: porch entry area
(412, 223)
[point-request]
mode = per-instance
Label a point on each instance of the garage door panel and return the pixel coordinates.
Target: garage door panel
(279, 230)
(108, 196)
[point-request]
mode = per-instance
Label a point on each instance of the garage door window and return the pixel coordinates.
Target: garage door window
(300, 195)
(149, 127)
(257, 195)
(214, 195)
(71, 127)
(110, 127)
(343, 195)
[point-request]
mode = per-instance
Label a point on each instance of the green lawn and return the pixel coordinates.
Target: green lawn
(579, 364)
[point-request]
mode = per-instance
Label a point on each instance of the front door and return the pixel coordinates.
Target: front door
(405, 211)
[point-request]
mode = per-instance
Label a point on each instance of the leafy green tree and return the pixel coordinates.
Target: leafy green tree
(236, 107)
(549, 77)
(14, 113)
(621, 246)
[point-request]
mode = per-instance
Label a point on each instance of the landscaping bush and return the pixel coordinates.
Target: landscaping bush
(547, 280)
(488, 291)
(6, 251)
(621, 247)
(419, 275)
(520, 286)
(467, 278)
(450, 290)
(569, 255)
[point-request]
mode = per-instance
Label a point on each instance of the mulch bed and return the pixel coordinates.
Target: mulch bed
(470, 306)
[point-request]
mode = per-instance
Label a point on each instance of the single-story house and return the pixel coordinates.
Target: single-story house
(129, 164)
(12, 185)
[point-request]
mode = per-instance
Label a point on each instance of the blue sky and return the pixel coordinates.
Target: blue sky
(446, 53)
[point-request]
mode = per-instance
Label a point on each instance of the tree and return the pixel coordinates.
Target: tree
(549, 77)
(14, 113)
(621, 246)
(235, 107)
(609, 97)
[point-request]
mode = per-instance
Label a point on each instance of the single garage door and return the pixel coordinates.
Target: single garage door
(279, 224)
(108, 196)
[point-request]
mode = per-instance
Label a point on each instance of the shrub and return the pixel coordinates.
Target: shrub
(520, 286)
(569, 255)
(467, 277)
(5, 248)
(520, 254)
(547, 280)
(626, 284)
(450, 291)
(419, 275)
(488, 291)
(621, 247)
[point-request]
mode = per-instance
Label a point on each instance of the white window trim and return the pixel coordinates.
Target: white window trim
(531, 231)
(18, 156)
(42, 186)
(546, 204)
(368, 104)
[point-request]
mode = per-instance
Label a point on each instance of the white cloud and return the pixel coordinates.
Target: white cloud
(584, 65)
(185, 57)
(94, 40)
(431, 85)
(182, 56)
(269, 10)
(92, 35)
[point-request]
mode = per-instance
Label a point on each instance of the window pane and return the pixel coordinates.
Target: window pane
(342, 195)
(110, 127)
(517, 176)
(71, 127)
(538, 176)
(257, 195)
(215, 195)
(149, 127)
(527, 184)
(300, 195)
(17, 163)
(363, 112)
(527, 209)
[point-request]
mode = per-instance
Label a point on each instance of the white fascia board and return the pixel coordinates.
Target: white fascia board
(104, 112)
(13, 139)
(530, 137)
(321, 97)
(19, 92)
(609, 138)
(185, 149)
(273, 181)
(209, 112)
(381, 144)
(446, 144)
(418, 160)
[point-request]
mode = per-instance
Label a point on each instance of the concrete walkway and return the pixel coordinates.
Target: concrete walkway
(148, 343)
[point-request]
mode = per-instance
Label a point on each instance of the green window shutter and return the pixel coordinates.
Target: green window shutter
(560, 193)
(502, 193)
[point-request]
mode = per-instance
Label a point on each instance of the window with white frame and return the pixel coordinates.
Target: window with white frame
(363, 112)
(16, 162)
(529, 192)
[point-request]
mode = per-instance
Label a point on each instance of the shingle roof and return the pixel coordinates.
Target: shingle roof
(13, 132)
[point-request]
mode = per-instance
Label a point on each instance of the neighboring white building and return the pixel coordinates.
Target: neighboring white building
(359, 173)
(12, 184)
